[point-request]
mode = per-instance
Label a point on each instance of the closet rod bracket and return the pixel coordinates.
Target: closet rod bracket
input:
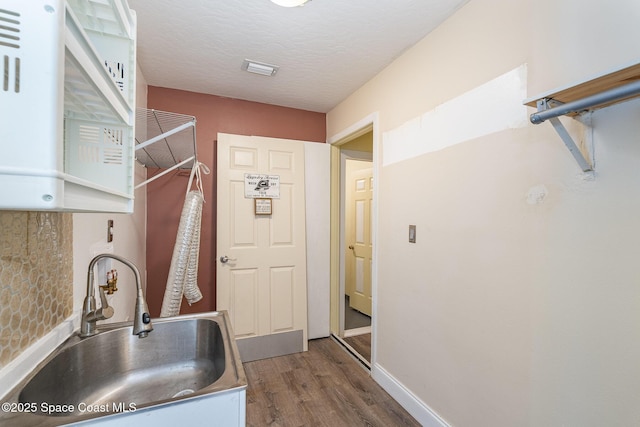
(546, 104)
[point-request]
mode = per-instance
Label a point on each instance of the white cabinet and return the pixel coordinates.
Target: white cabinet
(67, 98)
(223, 409)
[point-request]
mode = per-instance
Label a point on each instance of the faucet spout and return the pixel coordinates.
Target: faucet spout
(142, 320)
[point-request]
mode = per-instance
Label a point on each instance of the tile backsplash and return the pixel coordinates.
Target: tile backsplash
(36, 277)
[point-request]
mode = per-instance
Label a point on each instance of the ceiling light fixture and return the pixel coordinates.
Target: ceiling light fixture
(289, 3)
(259, 68)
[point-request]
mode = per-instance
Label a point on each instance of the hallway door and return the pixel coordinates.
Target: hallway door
(261, 274)
(358, 256)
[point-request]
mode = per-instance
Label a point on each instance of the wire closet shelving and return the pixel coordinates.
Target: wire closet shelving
(165, 140)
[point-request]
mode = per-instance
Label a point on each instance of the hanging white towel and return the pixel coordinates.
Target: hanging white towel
(183, 272)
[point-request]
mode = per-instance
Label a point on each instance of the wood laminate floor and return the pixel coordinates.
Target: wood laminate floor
(361, 344)
(324, 386)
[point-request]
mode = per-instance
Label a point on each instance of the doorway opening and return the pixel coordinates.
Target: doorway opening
(353, 302)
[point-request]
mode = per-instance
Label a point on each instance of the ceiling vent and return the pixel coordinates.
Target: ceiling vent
(259, 68)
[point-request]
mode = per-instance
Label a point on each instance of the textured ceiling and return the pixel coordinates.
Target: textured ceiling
(326, 49)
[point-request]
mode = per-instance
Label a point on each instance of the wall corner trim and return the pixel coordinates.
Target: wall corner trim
(426, 416)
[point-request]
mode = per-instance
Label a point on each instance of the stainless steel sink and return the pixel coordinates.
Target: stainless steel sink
(184, 357)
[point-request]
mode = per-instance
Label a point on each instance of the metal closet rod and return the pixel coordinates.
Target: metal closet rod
(611, 95)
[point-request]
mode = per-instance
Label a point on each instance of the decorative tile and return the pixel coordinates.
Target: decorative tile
(36, 277)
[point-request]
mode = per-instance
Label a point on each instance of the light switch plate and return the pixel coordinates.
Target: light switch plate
(412, 234)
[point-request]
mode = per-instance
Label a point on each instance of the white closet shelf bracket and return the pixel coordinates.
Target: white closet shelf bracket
(544, 106)
(166, 171)
(602, 91)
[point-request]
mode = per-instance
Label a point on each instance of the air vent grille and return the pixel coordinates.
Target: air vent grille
(97, 144)
(9, 29)
(99, 153)
(9, 40)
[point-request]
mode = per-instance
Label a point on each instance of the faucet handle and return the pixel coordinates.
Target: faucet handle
(106, 311)
(102, 313)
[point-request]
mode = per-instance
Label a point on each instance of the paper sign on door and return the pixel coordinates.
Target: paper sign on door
(261, 186)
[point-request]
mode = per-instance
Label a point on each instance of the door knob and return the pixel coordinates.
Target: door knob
(225, 259)
(351, 247)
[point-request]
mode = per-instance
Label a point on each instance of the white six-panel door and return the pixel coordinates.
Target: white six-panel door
(262, 284)
(359, 196)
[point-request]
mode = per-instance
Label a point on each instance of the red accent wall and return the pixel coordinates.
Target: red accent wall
(165, 196)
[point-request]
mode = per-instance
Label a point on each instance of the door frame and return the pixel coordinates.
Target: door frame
(366, 124)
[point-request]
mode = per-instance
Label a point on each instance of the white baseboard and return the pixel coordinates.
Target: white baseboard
(416, 407)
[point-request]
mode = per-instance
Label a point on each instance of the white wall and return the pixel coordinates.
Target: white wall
(520, 302)
(90, 235)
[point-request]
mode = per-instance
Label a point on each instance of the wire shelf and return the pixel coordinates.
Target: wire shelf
(164, 140)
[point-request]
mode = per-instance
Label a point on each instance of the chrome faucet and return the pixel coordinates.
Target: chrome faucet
(142, 320)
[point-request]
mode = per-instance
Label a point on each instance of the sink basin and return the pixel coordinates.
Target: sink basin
(184, 357)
